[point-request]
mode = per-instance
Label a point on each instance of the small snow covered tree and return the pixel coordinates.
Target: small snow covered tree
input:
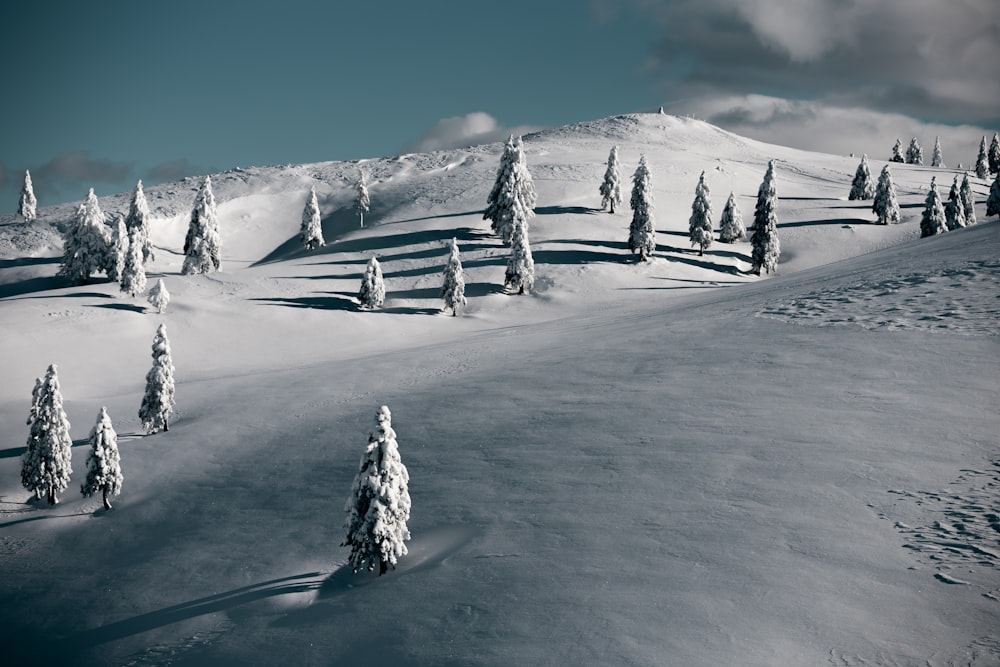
(914, 153)
(513, 194)
(954, 214)
(933, 220)
(993, 202)
(700, 222)
(982, 162)
(379, 505)
(764, 242)
(731, 227)
(897, 152)
(953, 193)
(47, 462)
(863, 186)
(104, 470)
(133, 280)
(453, 289)
(993, 155)
(202, 244)
(27, 206)
(372, 292)
(520, 274)
(886, 206)
(641, 234)
(968, 202)
(85, 245)
(158, 402)
(611, 188)
(362, 201)
(159, 297)
(311, 231)
(118, 249)
(138, 218)
(936, 159)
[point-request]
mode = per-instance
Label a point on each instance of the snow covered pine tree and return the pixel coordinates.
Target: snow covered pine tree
(954, 212)
(933, 220)
(372, 292)
(118, 250)
(993, 202)
(27, 206)
(936, 159)
(47, 462)
(138, 218)
(862, 187)
(731, 227)
(29, 458)
(968, 201)
(202, 244)
(641, 235)
(993, 156)
(362, 201)
(982, 161)
(379, 505)
(897, 152)
(765, 245)
(159, 297)
(513, 193)
(700, 222)
(611, 188)
(520, 274)
(886, 206)
(133, 280)
(86, 243)
(158, 401)
(453, 289)
(311, 231)
(914, 153)
(104, 471)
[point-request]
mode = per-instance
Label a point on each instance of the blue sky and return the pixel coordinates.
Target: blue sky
(100, 94)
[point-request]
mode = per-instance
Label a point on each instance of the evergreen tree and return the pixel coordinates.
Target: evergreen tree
(953, 193)
(897, 152)
(700, 222)
(954, 214)
(159, 297)
(311, 231)
(104, 471)
(30, 456)
(158, 402)
(731, 228)
(933, 220)
(453, 290)
(886, 206)
(982, 162)
(118, 249)
(133, 280)
(362, 202)
(862, 187)
(138, 218)
(513, 194)
(379, 505)
(611, 188)
(765, 245)
(993, 155)
(914, 154)
(202, 244)
(520, 274)
(641, 233)
(936, 159)
(28, 204)
(85, 245)
(965, 194)
(993, 202)
(372, 293)
(47, 462)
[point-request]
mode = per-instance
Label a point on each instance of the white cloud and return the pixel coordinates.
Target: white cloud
(468, 130)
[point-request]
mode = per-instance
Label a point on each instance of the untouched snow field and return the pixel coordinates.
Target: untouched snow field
(676, 463)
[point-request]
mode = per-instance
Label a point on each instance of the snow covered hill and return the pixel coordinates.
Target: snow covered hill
(669, 463)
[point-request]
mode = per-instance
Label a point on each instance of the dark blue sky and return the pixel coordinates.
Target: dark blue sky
(99, 94)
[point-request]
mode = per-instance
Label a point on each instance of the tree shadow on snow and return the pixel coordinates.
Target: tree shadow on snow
(335, 301)
(128, 307)
(828, 222)
(570, 210)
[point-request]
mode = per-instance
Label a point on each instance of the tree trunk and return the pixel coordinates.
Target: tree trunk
(52, 496)
(166, 427)
(104, 497)
(382, 567)
(701, 251)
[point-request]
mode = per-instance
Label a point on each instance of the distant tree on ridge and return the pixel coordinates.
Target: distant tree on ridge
(914, 154)
(27, 205)
(611, 188)
(982, 161)
(936, 159)
(311, 231)
(897, 152)
(362, 200)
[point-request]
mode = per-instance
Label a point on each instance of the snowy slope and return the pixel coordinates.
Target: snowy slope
(674, 463)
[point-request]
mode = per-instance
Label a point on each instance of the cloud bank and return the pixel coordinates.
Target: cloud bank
(468, 130)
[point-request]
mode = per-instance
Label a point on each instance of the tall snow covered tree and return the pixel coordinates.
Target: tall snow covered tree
(138, 218)
(362, 201)
(159, 297)
(133, 278)
(765, 245)
(379, 505)
(993, 201)
(202, 244)
(731, 227)
(968, 202)
(993, 155)
(982, 162)
(47, 462)
(641, 234)
(914, 153)
(453, 289)
(611, 188)
(118, 250)
(31, 454)
(954, 214)
(27, 206)
(897, 152)
(863, 186)
(372, 292)
(311, 231)
(886, 206)
(513, 194)
(700, 222)
(104, 470)
(86, 243)
(936, 159)
(158, 401)
(933, 220)
(520, 274)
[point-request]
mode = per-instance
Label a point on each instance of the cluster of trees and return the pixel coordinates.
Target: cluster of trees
(47, 462)
(958, 212)
(987, 160)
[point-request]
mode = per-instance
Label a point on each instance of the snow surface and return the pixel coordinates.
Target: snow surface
(669, 463)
